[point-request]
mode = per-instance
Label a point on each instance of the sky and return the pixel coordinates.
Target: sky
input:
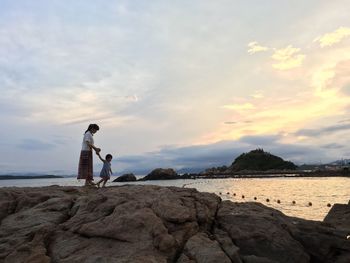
(181, 84)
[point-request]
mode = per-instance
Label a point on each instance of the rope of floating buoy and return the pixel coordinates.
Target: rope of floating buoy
(277, 201)
(255, 198)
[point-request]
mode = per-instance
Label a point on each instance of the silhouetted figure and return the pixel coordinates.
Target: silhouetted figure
(85, 170)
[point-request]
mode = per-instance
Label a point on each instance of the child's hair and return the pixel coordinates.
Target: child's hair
(92, 126)
(109, 156)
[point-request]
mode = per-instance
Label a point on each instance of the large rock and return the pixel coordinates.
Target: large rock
(339, 216)
(126, 178)
(202, 249)
(161, 174)
(263, 234)
(155, 224)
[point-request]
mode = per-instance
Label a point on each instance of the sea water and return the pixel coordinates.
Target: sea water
(311, 196)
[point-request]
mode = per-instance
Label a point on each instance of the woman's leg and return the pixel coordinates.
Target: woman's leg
(85, 167)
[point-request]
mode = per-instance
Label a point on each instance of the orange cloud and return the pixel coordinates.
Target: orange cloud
(287, 58)
(332, 38)
(239, 107)
(254, 47)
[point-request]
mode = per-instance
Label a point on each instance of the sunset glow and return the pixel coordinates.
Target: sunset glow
(160, 78)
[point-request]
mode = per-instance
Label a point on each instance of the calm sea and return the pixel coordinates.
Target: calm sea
(318, 191)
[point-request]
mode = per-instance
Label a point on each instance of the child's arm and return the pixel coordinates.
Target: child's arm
(99, 156)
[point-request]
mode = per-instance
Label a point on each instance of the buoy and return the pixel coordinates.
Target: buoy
(255, 198)
(278, 201)
(310, 204)
(329, 205)
(293, 202)
(267, 200)
(243, 196)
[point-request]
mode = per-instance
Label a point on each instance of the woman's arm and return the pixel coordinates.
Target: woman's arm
(97, 150)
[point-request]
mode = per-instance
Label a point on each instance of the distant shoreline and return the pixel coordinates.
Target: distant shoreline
(15, 177)
(253, 174)
(271, 174)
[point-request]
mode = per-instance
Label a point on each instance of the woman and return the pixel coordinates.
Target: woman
(85, 162)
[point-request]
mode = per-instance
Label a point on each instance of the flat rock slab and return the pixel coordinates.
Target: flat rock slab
(138, 223)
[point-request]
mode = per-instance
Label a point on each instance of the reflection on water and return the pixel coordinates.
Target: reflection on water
(318, 191)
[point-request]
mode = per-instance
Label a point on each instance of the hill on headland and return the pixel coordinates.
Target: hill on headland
(259, 160)
(254, 161)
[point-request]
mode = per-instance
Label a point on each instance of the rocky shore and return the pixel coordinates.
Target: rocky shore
(136, 223)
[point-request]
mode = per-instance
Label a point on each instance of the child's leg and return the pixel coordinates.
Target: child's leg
(98, 183)
(104, 182)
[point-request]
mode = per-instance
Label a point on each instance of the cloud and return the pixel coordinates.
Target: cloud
(342, 121)
(135, 66)
(230, 122)
(186, 159)
(254, 47)
(36, 145)
(323, 131)
(239, 107)
(258, 95)
(288, 58)
(341, 77)
(260, 140)
(333, 146)
(334, 37)
(197, 158)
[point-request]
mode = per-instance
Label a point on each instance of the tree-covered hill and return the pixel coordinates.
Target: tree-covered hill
(259, 160)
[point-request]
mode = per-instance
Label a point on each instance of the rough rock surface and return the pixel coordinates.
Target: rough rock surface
(125, 178)
(339, 216)
(161, 174)
(155, 224)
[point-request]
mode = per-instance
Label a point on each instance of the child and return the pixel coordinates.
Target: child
(106, 171)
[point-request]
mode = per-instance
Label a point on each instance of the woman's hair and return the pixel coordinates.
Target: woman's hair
(109, 156)
(92, 126)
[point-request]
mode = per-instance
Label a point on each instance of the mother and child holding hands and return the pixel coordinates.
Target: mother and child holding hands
(85, 170)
